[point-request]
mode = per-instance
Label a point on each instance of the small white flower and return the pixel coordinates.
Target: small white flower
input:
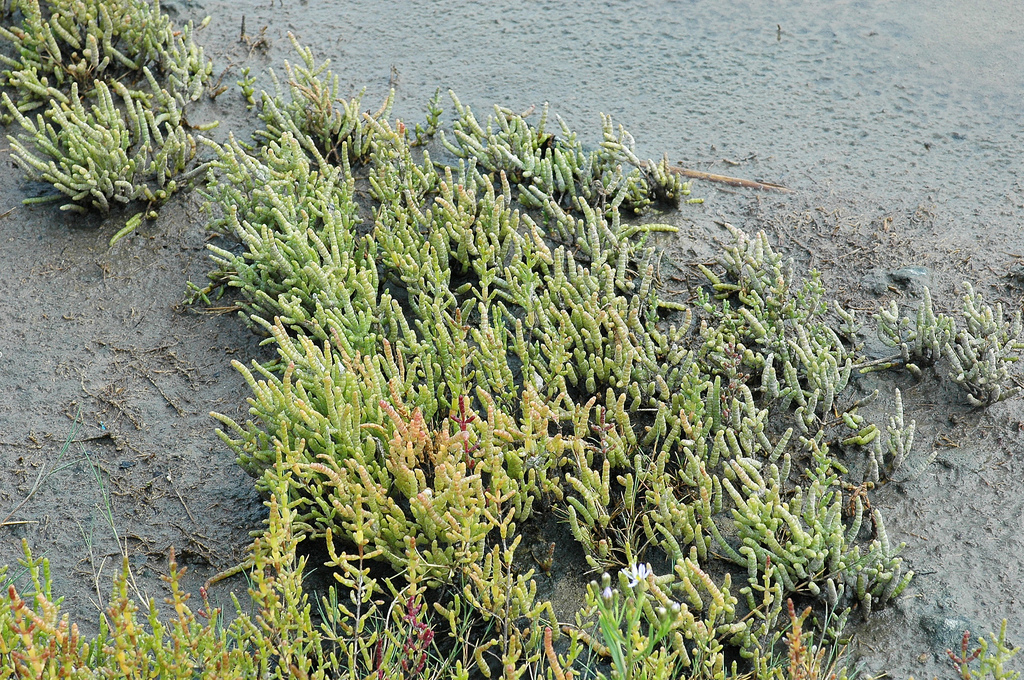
(607, 593)
(638, 573)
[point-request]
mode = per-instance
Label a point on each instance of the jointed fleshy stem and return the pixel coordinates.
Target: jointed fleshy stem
(94, 152)
(962, 660)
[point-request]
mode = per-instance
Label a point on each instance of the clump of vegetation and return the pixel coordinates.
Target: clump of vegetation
(278, 638)
(281, 636)
(980, 353)
(497, 339)
(114, 81)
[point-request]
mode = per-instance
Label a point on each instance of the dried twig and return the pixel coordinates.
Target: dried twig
(725, 179)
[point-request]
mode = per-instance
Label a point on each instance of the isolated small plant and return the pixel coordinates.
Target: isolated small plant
(992, 654)
(416, 643)
(920, 340)
(807, 661)
(983, 352)
(635, 645)
(980, 353)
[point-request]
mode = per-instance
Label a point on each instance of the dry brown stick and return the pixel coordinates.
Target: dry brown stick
(159, 389)
(182, 499)
(725, 179)
(731, 181)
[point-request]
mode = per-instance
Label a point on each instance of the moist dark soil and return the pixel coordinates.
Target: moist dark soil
(107, 378)
(106, 445)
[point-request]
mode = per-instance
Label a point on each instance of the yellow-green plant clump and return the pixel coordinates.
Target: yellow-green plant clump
(498, 338)
(110, 83)
(277, 638)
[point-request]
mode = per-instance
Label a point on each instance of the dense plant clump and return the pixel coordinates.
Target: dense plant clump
(495, 341)
(498, 338)
(278, 638)
(113, 81)
(979, 354)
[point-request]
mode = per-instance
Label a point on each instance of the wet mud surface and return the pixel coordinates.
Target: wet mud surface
(898, 128)
(107, 383)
